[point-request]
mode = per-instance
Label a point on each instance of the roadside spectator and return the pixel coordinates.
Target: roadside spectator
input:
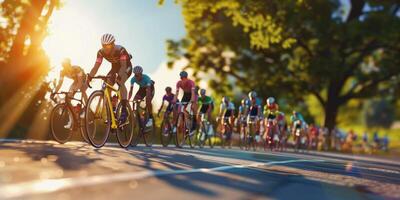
(365, 144)
(385, 143)
(377, 143)
(350, 138)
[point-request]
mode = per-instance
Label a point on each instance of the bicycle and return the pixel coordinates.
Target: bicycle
(252, 132)
(242, 132)
(226, 134)
(142, 116)
(166, 129)
(271, 137)
(183, 126)
(62, 112)
(203, 133)
(100, 114)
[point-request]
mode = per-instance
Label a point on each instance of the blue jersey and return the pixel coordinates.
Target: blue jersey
(145, 82)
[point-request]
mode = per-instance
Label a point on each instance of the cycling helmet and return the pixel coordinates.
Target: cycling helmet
(202, 92)
(252, 94)
(270, 100)
(183, 74)
(137, 70)
(245, 101)
(66, 61)
(107, 39)
(168, 89)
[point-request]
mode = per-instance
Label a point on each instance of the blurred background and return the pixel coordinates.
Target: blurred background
(335, 61)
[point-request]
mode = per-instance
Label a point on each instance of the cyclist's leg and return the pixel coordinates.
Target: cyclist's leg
(149, 98)
(194, 110)
(83, 88)
(123, 75)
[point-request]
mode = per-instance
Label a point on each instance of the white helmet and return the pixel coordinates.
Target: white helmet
(270, 100)
(107, 39)
(252, 94)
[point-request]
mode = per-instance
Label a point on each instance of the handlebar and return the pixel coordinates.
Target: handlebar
(66, 96)
(104, 78)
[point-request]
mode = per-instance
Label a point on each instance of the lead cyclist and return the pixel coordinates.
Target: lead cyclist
(121, 67)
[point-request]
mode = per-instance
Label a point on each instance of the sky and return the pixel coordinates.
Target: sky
(141, 26)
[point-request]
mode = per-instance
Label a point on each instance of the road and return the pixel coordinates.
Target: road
(45, 170)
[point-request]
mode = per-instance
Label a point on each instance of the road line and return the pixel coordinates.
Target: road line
(19, 190)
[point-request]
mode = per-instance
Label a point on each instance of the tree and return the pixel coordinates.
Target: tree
(295, 48)
(23, 63)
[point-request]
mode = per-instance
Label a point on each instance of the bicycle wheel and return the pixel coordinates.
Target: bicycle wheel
(165, 131)
(125, 131)
(180, 131)
(189, 135)
(242, 138)
(210, 138)
(97, 119)
(82, 129)
(201, 135)
(149, 133)
(59, 118)
(137, 131)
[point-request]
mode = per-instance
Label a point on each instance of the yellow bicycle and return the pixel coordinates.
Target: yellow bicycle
(103, 118)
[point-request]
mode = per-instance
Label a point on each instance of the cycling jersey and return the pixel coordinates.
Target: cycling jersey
(144, 82)
(271, 111)
(73, 72)
(186, 85)
(118, 55)
(205, 101)
(169, 99)
(227, 108)
(294, 118)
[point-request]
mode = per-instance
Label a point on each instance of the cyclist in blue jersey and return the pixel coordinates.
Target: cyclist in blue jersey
(146, 89)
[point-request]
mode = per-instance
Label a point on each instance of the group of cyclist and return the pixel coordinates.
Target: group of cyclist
(267, 118)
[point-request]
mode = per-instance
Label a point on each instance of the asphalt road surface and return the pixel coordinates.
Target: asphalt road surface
(46, 170)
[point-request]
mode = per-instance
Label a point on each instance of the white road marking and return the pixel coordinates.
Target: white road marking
(19, 190)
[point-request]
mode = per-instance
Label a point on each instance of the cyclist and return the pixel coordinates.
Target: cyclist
(297, 121)
(271, 112)
(226, 115)
(121, 67)
(189, 95)
(168, 97)
(206, 103)
(146, 89)
(255, 112)
(243, 111)
(77, 74)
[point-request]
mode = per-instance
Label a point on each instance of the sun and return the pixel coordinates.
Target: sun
(72, 35)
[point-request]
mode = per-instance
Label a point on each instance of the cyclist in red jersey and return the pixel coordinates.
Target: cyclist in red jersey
(121, 66)
(189, 95)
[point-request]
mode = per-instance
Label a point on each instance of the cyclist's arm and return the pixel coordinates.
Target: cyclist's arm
(221, 111)
(60, 82)
(130, 92)
(97, 64)
(259, 111)
(162, 105)
(177, 91)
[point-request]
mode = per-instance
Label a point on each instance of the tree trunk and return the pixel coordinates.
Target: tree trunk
(27, 27)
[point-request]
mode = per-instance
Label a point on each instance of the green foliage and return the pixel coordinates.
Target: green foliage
(292, 49)
(379, 114)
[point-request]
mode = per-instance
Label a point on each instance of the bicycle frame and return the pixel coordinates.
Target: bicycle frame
(67, 102)
(107, 89)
